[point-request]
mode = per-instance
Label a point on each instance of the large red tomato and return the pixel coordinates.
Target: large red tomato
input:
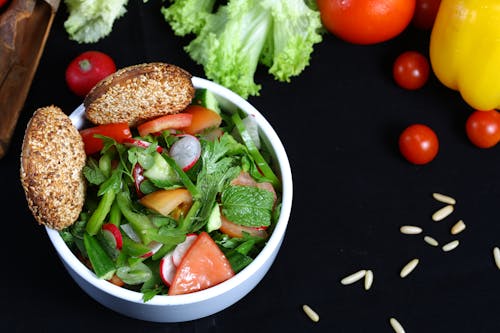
(366, 21)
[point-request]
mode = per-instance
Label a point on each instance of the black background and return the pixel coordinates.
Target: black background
(339, 121)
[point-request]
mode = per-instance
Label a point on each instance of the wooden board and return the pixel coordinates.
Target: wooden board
(24, 28)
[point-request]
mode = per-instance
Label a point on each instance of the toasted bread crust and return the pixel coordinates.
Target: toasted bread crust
(138, 93)
(52, 160)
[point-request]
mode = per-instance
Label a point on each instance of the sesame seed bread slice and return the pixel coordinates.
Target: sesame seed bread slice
(137, 93)
(52, 159)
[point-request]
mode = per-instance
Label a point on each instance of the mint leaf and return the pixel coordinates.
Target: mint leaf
(247, 205)
(93, 173)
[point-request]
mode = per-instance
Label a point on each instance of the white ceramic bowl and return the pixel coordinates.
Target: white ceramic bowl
(206, 302)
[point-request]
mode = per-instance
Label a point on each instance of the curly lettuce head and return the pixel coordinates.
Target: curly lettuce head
(91, 20)
(238, 36)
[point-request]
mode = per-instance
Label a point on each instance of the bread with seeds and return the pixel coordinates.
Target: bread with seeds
(52, 160)
(137, 93)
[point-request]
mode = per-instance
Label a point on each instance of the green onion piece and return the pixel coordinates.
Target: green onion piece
(102, 264)
(254, 151)
(183, 176)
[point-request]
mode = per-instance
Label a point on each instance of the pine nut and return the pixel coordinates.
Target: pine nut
(431, 241)
(310, 313)
(458, 227)
(408, 268)
(450, 246)
(353, 277)
(368, 279)
(410, 230)
(442, 213)
(496, 256)
(444, 198)
(396, 326)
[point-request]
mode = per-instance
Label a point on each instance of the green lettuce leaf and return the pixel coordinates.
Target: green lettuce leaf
(91, 20)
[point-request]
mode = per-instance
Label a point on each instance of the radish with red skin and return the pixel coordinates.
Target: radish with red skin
(131, 142)
(167, 269)
(181, 249)
(155, 247)
(114, 233)
(186, 151)
(138, 174)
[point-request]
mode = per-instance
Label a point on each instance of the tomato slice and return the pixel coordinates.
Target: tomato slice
(165, 201)
(203, 119)
(203, 266)
(235, 230)
(118, 131)
(169, 121)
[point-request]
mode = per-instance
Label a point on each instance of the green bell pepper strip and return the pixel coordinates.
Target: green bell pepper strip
(139, 222)
(97, 218)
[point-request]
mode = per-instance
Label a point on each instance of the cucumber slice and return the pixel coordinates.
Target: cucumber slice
(161, 170)
(214, 221)
(206, 98)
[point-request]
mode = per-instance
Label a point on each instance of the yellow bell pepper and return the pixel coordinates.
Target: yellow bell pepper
(465, 50)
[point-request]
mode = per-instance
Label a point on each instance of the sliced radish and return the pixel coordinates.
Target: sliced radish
(186, 151)
(167, 269)
(138, 174)
(131, 142)
(113, 235)
(181, 249)
(155, 247)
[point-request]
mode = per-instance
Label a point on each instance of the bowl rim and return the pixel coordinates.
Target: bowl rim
(266, 253)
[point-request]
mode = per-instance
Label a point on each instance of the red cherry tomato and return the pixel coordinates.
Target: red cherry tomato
(483, 128)
(411, 70)
(425, 13)
(418, 144)
(366, 22)
(87, 69)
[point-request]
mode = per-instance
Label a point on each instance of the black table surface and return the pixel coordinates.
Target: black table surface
(339, 122)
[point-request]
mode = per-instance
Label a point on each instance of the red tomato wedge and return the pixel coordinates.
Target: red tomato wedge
(119, 132)
(203, 266)
(203, 119)
(170, 121)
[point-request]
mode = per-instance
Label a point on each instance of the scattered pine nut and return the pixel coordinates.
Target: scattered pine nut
(444, 198)
(431, 241)
(442, 213)
(496, 256)
(310, 313)
(450, 246)
(368, 279)
(458, 227)
(410, 230)
(396, 326)
(408, 268)
(353, 277)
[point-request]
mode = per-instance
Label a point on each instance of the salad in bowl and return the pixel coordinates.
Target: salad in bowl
(183, 213)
